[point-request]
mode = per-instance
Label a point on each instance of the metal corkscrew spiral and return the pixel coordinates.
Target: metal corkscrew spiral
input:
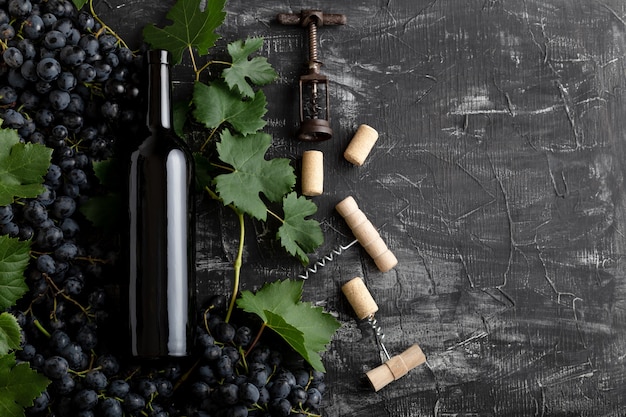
(327, 258)
(380, 336)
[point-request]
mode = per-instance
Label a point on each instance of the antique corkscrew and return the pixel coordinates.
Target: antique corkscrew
(314, 94)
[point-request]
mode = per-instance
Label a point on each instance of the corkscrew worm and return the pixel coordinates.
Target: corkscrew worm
(327, 258)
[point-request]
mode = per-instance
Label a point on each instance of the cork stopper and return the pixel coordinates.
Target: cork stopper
(312, 173)
(361, 145)
(359, 298)
(366, 234)
(396, 367)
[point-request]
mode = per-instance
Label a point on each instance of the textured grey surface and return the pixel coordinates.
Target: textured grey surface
(497, 181)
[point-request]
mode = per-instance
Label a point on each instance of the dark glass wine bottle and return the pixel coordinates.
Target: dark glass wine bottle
(160, 229)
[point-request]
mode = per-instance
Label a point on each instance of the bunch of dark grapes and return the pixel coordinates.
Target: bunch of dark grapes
(68, 83)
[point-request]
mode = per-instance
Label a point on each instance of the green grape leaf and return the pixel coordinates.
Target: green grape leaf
(9, 333)
(215, 104)
(204, 171)
(19, 386)
(102, 210)
(108, 172)
(22, 167)
(307, 329)
(192, 27)
(297, 234)
(257, 69)
(14, 257)
(252, 174)
(179, 117)
(79, 3)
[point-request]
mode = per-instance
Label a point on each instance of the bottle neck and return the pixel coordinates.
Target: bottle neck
(159, 91)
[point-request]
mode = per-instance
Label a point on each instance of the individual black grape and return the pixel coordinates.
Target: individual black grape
(298, 395)
(280, 407)
(12, 119)
(95, 380)
(146, 388)
(302, 377)
(40, 403)
(108, 364)
(224, 367)
(118, 388)
(164, 387)
(212, 353)
(8, 94)
(49, 238)
(205, 373)
(33, 27)
(46, 264)
(55, 367)
(248, 393)
(228, 393)
(66, 252)
(20, 8)
(314, 398)
(48, 69)
(6, 214)
(134, 403)
(279, 389)
(200, 390)
(13, 57)
(224, 332)
(110, 407)
(258, 377)
(85, 399)
(64, 385)
(34, 212)
(243, 336)
(7, 32)
(54, 40)
(66, 81)
(59, 99)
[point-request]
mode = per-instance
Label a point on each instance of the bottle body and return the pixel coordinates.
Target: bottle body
(160, 235)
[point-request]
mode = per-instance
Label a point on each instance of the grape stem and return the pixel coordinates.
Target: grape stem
(104, 26)
(256, 339)
(238, 262)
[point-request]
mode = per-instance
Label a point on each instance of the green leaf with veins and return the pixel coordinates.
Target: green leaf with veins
(22, 167)
(9, 333)
(14, 257)
(215, 104)
(299, 235)
(19, 386)
(257, 69)
(306, 328)
(191, 27)
(252, 174)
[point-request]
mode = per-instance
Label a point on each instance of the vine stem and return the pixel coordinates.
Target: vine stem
(105, 26)
(256, 339)
(237, 264)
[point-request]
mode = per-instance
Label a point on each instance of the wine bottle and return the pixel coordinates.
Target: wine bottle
(160, 229)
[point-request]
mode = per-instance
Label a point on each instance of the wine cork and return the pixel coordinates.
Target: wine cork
(366, 234)
(396, 367)
(361, 145)
(359, 298)
(312, 173)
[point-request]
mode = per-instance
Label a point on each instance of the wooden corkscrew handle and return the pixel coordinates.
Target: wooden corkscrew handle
(396, 367)
(366, 234)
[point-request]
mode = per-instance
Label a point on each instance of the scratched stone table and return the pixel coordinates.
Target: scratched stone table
(497, 181)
